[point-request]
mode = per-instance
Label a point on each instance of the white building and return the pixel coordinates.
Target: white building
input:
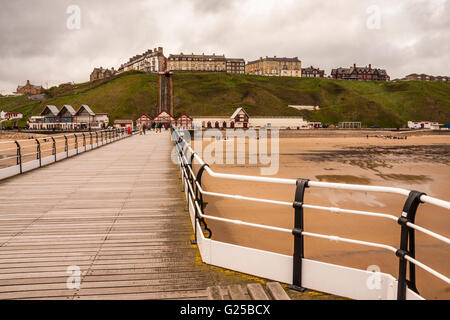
(10, 115)
(240, 119)
(152, 61)
(423, 125)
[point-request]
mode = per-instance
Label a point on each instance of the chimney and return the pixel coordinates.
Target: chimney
(370, 66)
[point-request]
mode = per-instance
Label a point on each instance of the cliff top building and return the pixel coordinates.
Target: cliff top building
(100, 73)
(151, 61)
(426, 77)
(312, 72)
(273, 66)
(360, 73)
(28, 88)
(236, 65)
(196, 62)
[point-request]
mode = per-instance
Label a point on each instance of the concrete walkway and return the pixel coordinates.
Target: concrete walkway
(116, 214)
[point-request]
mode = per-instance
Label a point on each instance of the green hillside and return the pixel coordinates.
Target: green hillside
(386, 104)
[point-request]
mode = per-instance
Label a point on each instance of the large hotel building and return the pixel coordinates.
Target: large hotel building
(281, 67)
(193, 62)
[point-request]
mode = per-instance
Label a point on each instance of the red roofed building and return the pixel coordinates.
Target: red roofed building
(144, 119)
(360, 73)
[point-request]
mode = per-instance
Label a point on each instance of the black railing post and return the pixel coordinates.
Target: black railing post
(199, 201)
(76, 142)
(299, 250)
(19, 155)
(39, 154)
(407, 245)
(84, 141)
(54, 147)
(66, 146)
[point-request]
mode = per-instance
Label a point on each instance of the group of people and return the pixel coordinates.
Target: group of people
(155, 126)
(390, 137)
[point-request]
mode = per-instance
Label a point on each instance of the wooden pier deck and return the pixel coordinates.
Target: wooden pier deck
(117, 214)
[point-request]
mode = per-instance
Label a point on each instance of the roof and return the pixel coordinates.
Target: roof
(235, 59)
(184, 115)
(284, 59)
(29, 84)
(197, 56)
(237, 112)
(144, 115)
(164, 111)
(87, 108)
(119, 121)
(53, 110)
(311, 68)
(358, 70)
(68, 108)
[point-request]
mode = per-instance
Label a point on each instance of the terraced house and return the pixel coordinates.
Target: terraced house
(278, 67)
(151, 61)
(195, 62)
(360, 73)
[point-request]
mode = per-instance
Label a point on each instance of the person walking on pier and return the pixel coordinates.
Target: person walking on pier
(144, 128)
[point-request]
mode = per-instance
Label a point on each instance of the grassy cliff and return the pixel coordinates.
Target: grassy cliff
(386, 104)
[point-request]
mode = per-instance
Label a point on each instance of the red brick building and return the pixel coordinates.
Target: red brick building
(312, 72)
(360, 73)
(30, 89)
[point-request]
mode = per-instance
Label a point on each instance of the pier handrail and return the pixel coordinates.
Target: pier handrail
(37, 152)
(406, 252)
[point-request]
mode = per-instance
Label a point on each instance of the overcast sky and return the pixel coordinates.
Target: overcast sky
(402, 36)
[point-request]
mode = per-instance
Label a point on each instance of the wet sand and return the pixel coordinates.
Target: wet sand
(419, 163)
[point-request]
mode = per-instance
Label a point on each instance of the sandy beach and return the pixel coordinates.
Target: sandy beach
(420, 162)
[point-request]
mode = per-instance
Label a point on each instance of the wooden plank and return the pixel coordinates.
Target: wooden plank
(257, 292)
(277, 292)
(117, 213)
(236, 292)
(214, 293)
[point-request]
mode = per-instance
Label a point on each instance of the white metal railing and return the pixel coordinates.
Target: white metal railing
(401, 288)
(20, 156)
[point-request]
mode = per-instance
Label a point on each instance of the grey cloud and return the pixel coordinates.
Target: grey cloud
(36, 45)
